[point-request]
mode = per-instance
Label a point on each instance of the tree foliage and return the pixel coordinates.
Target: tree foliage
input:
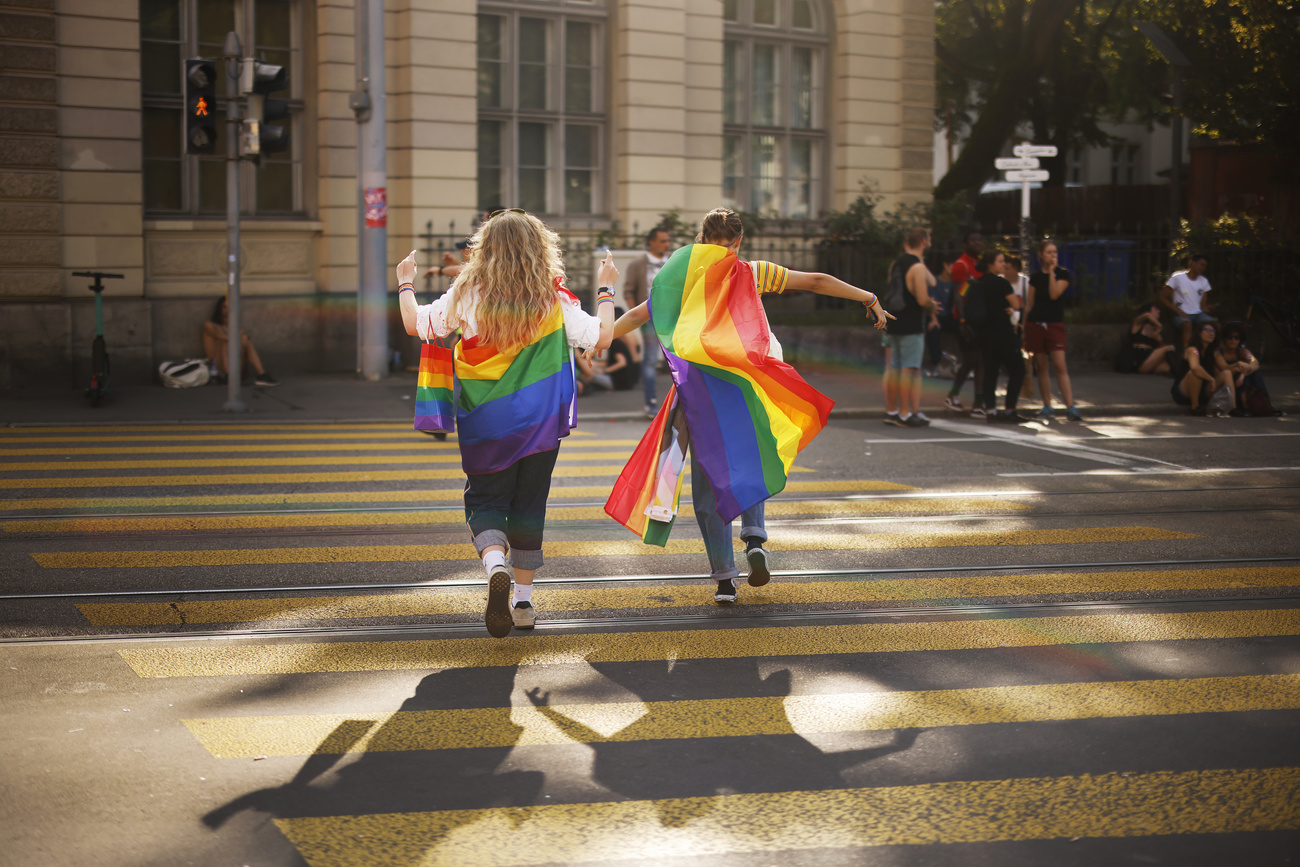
(1090, 65)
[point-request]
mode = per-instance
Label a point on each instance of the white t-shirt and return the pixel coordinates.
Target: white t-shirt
(581, 328)
(1020, 287)
(1188, 292)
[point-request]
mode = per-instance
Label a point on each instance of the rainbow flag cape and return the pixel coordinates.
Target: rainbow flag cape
(748, 415)
(514, 404)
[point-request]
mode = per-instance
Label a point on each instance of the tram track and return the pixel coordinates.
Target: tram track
(709, 618)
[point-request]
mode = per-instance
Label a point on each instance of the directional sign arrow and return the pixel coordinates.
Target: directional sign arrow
(1008, 163)
(1030, 176)
(1032, 150)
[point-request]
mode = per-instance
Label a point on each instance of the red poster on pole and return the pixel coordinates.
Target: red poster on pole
(376, 207)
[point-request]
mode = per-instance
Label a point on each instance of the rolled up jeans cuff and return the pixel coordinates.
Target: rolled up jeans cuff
(526, 559)
(488, 538)
(730, 572)
(757, 533)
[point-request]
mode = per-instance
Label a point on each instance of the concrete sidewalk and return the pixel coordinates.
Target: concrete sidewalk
(341, 397)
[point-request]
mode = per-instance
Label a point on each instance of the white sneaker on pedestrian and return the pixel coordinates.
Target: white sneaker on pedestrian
(978, 412)
(524, 615)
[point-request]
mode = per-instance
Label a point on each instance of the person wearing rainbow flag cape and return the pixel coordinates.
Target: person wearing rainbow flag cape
(727, 370)
(515, 369)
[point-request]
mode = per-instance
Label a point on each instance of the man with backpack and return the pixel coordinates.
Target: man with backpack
(908, 289)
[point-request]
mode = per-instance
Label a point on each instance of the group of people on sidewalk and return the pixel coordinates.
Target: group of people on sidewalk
(1214, 372)
(990, 305)
(515, 366)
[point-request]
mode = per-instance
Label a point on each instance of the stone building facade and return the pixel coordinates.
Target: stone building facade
(593, 113)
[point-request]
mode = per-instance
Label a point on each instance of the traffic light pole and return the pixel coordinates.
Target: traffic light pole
(234, 342)
(370, 107)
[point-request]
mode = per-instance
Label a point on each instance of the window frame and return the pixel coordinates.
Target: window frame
(192, 165)
(744, 35)
(556, 115)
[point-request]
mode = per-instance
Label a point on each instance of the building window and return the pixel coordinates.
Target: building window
(1124, 164)
(774, 139)
(541, 106)
(178, 184)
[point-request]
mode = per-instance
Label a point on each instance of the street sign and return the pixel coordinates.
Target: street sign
(1031, 150)
(1029, 176)
(1008, 163)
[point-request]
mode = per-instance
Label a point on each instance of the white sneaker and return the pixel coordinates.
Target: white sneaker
(524, 615)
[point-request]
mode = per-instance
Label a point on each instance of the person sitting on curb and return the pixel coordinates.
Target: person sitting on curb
(216, 340)
(1195, 379)
(1145, 350)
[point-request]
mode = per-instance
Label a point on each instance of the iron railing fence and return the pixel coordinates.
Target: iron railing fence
(1111, 269)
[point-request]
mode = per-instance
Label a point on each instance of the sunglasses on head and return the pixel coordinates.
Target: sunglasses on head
(519, 211)
(1210, 328)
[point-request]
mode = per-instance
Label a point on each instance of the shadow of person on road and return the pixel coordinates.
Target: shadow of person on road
(662, 757)
(395, 775)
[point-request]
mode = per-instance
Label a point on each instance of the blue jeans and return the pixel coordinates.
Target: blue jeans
(716, 533)
(650, 355)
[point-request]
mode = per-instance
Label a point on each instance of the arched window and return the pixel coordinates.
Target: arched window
(774, 137)
(541, 106)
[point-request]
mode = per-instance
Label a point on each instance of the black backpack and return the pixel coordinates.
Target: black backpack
(895, 294)
(974, 309)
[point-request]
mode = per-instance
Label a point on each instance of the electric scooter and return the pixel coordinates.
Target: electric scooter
(98, 352)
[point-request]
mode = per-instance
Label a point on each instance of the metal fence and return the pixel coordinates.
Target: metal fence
(1110, 269)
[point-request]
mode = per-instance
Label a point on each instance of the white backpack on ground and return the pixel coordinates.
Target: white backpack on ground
(190, 373)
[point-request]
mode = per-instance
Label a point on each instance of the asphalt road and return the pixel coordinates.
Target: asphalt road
(262, 645)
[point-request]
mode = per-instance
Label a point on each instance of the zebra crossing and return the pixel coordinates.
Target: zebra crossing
(852, 722)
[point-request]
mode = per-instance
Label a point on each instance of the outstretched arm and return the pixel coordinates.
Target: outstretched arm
(825, 284)
(632, 320)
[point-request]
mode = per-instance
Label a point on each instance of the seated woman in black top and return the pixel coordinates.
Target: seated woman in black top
(998, 338)
(1236, 359)
(1147, 351)
(1194, 377)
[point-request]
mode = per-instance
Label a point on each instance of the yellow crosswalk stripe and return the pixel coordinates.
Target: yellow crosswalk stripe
(556, 599)
(452, 457)
(92, 504)
(797, 541)
(543, 649)
(408, 475)
(624, 722)
(182, 523)
(415, 443)
(1045, 808)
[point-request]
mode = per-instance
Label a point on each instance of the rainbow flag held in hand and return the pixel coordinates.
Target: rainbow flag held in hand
(748, 414)
(646, 496)
(514, 404)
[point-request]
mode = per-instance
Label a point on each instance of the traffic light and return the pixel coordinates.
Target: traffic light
(200, 106)
(256, 80)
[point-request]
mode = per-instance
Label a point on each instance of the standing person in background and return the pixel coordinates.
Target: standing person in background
(1183, 296)
(517, 391)
(1019, 284)
(1045, 330)
(907, 332)
(942, 321)
(999, 340)
(640, 277)
(972, 359)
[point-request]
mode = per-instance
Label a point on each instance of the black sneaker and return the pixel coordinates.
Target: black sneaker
(759, 574)
(265, 380)
(892, 418)
(726, 592)
(497, 617)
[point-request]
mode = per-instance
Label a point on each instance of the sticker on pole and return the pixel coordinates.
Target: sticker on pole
(376, 207)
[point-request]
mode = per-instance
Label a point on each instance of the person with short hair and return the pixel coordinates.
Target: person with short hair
(753, 357)
(1183, 295)
(907, 332)
(1045, 330)
(640, 277)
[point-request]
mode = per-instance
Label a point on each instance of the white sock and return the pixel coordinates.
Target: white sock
(493, 560)
(523, 593)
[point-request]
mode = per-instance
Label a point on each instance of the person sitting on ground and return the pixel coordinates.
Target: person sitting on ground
(1183, 296)
(216, 341)
(1236, 359)
(1194, 378)
(620, 365)
(1147, 351)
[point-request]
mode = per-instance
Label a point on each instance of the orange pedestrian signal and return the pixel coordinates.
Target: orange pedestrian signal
(201, 108)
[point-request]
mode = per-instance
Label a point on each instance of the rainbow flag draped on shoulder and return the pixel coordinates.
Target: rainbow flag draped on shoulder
(514, 404)
(748, 415)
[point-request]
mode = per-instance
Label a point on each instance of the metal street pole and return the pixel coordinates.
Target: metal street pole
(1179, 62)
(233, 52)
(370, 106)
